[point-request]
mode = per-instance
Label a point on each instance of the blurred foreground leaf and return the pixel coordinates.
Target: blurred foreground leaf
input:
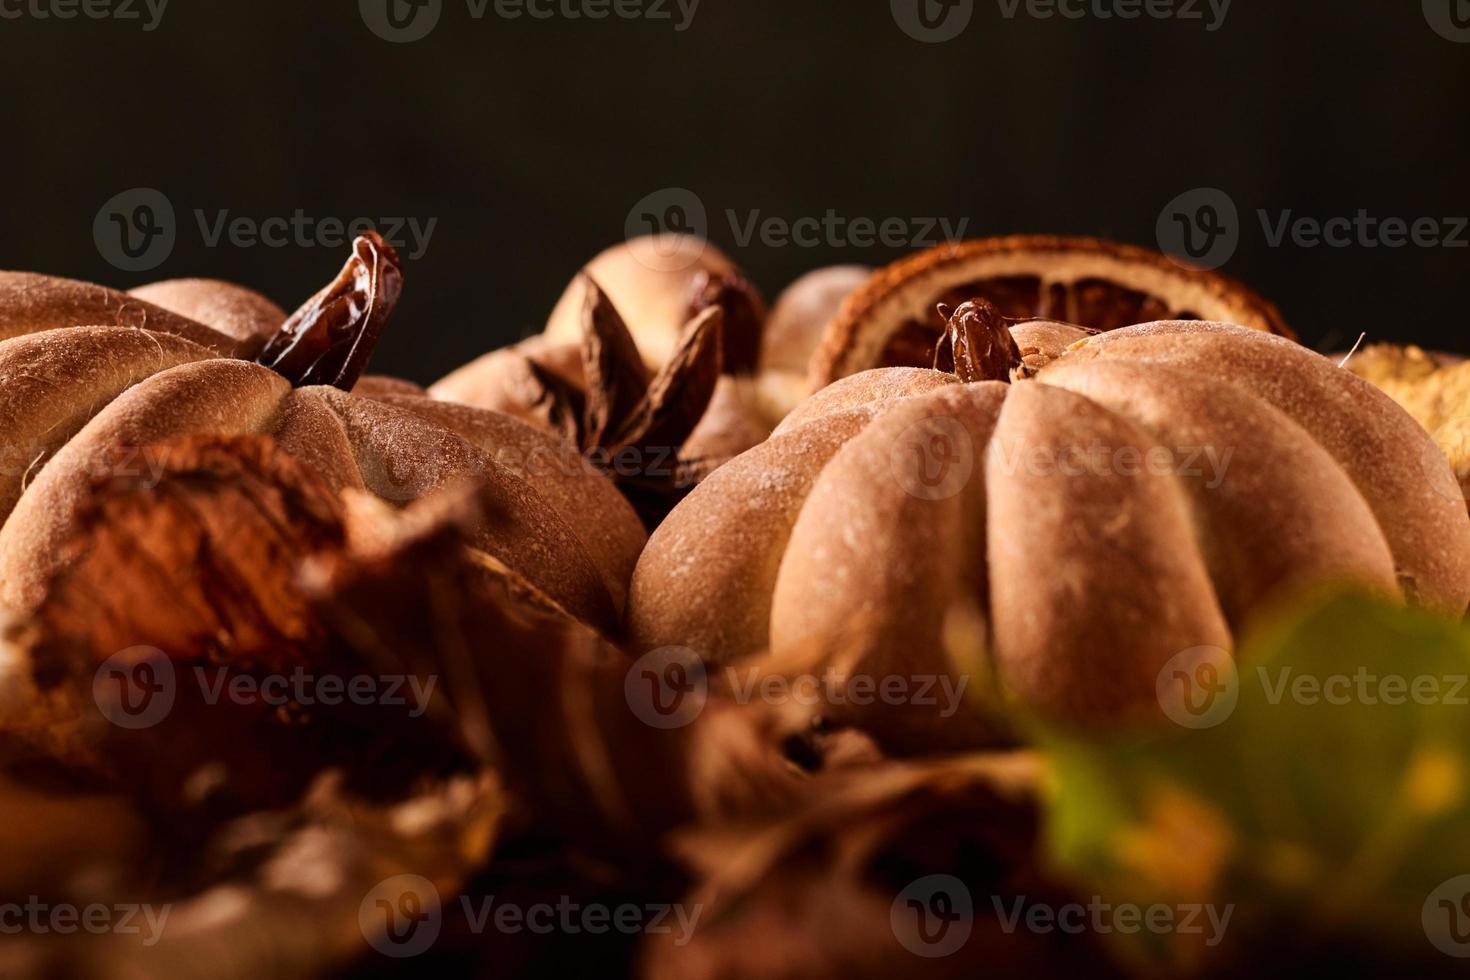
(1330, 804)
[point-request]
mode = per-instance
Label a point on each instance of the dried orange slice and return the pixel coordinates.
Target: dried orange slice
(892, 322)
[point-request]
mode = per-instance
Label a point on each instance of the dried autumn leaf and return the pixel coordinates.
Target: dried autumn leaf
(561, 712)
(183, 686)
(60, 836)
(893, 871)
(291, 893)
(219, 528)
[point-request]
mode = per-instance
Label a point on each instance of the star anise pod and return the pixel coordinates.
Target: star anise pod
(745, 317)
(630, 422)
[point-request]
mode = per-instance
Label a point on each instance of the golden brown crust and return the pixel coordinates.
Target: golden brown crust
(31, 303)
(1274, 513)
(1392, 461)
(908, 288)
(856, 594)
(85, 402)
(1145, 496)
(53, 382)
(242, 314)
(308, 428)
(1043, 341)
(1095, 579)
(705, 580)
(863, 388)
(1432, 387)
(380, 385)
(605, 523)
(402, 457)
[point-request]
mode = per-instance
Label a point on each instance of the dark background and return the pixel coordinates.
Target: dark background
(531, 140)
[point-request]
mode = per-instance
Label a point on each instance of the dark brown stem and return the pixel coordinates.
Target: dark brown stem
(330, 340)
(977, 344)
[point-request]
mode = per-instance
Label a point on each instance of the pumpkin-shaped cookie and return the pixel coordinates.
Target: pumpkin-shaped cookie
(90, 379)
(626, 326)
(1093, 506)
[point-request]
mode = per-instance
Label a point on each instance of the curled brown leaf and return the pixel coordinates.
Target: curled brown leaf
(835, 887)
(218, 529)
(552, 705)
(180, 585)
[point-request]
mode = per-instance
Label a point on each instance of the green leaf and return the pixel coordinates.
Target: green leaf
(1332, 801)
